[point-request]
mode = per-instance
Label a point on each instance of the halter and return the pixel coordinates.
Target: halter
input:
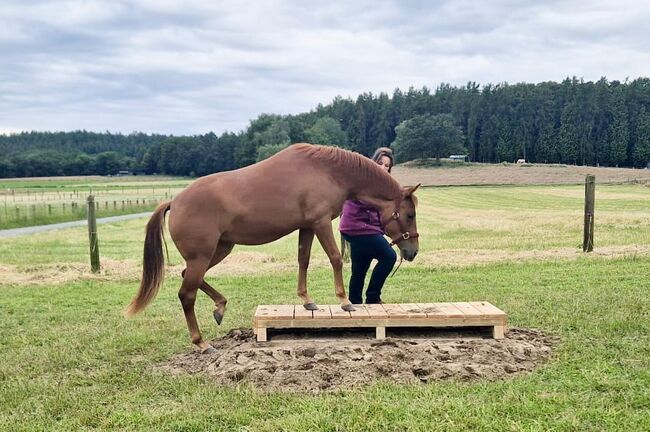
(405, 233)
(404, 236)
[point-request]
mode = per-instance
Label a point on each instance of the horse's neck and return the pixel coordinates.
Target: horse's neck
(372, 191)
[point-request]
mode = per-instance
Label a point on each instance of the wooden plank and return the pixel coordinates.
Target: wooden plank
(359, 312)
(489, 310)
(441, 311)
(432, 310)
(323, 312)
(376, 311)
(338, 313)
(413, 310)
(469, 310)
(268, 312)
(459, 314)
(395, 310)
(375, 322)
(273, 312)
(286, 311)
(300, 313)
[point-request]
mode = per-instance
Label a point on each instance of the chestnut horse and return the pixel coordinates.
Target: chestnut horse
(303, 188)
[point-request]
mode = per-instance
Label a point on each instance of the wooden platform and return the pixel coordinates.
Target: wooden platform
(380, 316)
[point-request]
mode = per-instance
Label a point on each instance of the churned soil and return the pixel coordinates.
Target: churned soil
(330, 360)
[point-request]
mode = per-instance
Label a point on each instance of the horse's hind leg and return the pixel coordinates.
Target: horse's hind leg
(192, 280)
(305, 240)
(223, 249)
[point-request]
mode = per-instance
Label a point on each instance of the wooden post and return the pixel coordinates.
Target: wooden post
(92, 235)
(590, 197)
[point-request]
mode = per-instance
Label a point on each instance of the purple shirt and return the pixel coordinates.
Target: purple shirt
(359, 218)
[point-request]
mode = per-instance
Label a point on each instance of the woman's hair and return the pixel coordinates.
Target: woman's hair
(381, 152)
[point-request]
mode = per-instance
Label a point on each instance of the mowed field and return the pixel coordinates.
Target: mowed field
(46, 200)
(69, 360)
(513, 174)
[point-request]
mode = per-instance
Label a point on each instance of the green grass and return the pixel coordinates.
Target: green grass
(68, 360)
(41, 201)
(41, 215)
(86, 182)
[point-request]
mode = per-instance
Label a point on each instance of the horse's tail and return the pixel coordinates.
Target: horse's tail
(345, 249)
(153, 263)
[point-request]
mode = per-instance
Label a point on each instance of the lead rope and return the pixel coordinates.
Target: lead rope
(398, 265)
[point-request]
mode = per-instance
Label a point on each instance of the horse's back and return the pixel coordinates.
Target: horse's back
(261, 202)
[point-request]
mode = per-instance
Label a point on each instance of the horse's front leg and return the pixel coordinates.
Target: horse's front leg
(326, 238)
(305, 240)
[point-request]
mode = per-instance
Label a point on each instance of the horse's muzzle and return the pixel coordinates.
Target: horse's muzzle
(409, 255)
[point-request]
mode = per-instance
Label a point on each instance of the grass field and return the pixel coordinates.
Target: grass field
(68, 360)
(41, 201)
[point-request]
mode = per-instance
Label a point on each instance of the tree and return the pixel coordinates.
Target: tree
(6, 168)
(82, 164)
(358, 132)
(268, 150)
(108, 163)
(326, 130)
(619, 134)
(569, 135)
(641, 153)
(266, 130)
(151, 159)
(427, 136)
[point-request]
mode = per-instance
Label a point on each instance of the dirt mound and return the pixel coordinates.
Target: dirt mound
(290, 363)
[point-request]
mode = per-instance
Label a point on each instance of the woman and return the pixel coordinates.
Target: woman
(361, 226)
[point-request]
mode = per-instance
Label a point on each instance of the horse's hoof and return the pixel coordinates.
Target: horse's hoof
(209, 350)
(218, 316)
(310, 306)
(348, 307)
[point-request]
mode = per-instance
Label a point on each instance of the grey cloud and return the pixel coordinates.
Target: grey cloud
(190, 67)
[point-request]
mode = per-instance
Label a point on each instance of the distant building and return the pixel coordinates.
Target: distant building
(459, 158)
(123, 173)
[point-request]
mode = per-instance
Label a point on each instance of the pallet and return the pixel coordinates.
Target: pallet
(380, 316)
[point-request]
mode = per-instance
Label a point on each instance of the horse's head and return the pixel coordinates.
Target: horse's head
(402, 227)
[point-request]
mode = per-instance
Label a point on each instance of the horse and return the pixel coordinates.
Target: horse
(302, 187)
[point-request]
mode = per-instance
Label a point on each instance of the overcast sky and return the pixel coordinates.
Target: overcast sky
(190, 67)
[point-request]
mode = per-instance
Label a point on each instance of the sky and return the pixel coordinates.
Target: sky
(192, 67)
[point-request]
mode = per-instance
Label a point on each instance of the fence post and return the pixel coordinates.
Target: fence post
(92, 235)
(590, 195)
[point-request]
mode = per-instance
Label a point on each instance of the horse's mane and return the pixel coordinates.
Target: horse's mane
(358, 167)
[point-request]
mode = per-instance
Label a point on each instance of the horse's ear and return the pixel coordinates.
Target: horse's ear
(410, 190)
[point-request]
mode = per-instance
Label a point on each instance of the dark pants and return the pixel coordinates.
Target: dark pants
(363, 249)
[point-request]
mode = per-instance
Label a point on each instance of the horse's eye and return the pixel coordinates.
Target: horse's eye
(411, 217)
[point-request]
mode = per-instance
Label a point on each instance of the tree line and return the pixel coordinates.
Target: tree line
(572, 122)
